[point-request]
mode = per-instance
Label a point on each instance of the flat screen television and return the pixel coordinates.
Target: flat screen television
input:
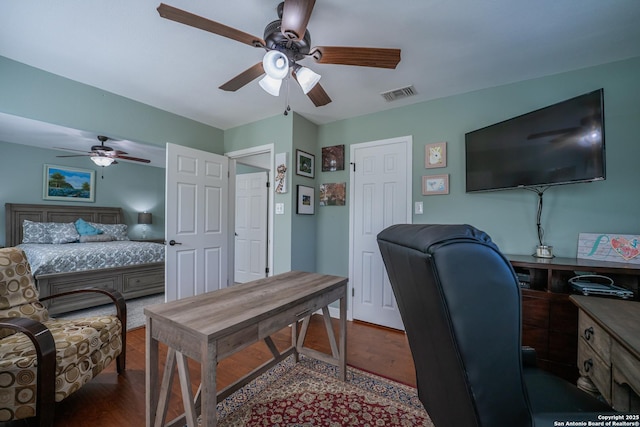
(559, 144)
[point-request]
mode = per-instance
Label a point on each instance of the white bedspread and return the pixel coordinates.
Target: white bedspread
(49, 258)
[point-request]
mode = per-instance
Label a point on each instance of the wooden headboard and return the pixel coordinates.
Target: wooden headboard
(17, 213)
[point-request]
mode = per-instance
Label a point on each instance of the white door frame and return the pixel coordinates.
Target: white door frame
(409, 170)
(237, 156)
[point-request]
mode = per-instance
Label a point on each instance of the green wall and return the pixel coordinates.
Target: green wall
(35, 94)
(508, 216)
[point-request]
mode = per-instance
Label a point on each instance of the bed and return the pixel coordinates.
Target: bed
(136, 276)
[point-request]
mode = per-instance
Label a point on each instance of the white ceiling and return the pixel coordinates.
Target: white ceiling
(448, 47)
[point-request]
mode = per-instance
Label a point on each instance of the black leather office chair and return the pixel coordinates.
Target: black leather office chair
(460, 303)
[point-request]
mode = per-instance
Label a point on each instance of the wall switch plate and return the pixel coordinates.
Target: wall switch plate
(418, 208)
(279, 208)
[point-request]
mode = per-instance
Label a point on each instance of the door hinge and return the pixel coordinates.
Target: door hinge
(353, 292)
(266, 270)
(268, 184)
(354, 165)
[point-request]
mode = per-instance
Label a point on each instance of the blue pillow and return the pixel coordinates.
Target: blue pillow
(86, 229)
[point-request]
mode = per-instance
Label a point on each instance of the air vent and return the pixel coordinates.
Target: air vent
(396, 94)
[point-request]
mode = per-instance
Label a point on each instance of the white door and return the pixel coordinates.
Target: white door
(196, 218)
(380, 197)
(251, 227)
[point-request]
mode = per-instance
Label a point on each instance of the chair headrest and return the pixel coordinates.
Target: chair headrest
(423, 237)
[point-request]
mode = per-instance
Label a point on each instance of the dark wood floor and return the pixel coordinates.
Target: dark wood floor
(112, 400)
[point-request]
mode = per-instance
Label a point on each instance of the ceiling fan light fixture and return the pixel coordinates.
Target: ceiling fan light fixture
(276, 64)
(306, 78)
(102, 160)
(270, 85)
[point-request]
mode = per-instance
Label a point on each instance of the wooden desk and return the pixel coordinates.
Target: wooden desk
(609, 348)
(212, 326)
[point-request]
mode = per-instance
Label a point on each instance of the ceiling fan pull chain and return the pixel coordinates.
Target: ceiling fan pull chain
(288, 108)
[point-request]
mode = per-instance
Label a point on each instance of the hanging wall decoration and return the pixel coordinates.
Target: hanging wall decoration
(435, 184)
(281, 173)
(333, 158)
(305, 205)
(68, 184)
(305, 164)
(333, 194)
(435, 155)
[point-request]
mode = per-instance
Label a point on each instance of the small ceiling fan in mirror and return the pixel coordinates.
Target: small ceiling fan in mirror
(103, 155)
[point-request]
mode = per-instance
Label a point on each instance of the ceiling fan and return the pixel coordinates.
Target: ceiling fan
(287, 41)
(103, 155)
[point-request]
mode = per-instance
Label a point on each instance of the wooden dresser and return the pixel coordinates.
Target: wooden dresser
(549, 317)
(609, 348)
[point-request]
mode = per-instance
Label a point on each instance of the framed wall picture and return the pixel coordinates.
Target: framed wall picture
(68, 184)
(333, 158)
(333, 194)
(435, 155)
(305, 205)
(435, 184)
(305, 164)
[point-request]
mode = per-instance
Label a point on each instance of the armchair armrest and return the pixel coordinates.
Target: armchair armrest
(121, 312)
(45, 347)
(528, 357)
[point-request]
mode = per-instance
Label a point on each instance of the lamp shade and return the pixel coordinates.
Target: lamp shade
(102, 160)
(275, 64)
(270, 85)
(306, 78)
(144, 218)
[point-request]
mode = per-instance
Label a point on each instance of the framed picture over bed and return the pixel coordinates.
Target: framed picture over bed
(68, 184)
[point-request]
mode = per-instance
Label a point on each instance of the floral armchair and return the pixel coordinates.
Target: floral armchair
(44, 360)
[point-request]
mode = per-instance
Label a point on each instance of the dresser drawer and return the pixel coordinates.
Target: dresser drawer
(627, 366)
(591, 365)
(595, 336)
(139, 282)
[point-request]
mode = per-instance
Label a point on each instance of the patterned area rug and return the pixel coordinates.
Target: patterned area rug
(309, 394)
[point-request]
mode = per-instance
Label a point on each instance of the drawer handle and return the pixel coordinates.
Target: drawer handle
(588, 364)
(588, 333)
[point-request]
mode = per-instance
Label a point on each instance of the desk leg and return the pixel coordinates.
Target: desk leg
(187, 394)
(343, 337)
(151, 376)
(208, 392)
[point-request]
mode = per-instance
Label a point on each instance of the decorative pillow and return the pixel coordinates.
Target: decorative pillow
(118, 231)
(63, 232)
(35, 232)
(85, 228)
(18, 293)
(97, 238)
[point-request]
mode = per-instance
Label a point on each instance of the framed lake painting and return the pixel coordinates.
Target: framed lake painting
(69, 184)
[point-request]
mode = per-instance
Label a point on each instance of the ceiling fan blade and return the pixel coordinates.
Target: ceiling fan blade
(245, 77)
(76, 155)
(187, 18)
(295, 17)
(71, 149)
(135, 159)
(318, 96)
(360, 56)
